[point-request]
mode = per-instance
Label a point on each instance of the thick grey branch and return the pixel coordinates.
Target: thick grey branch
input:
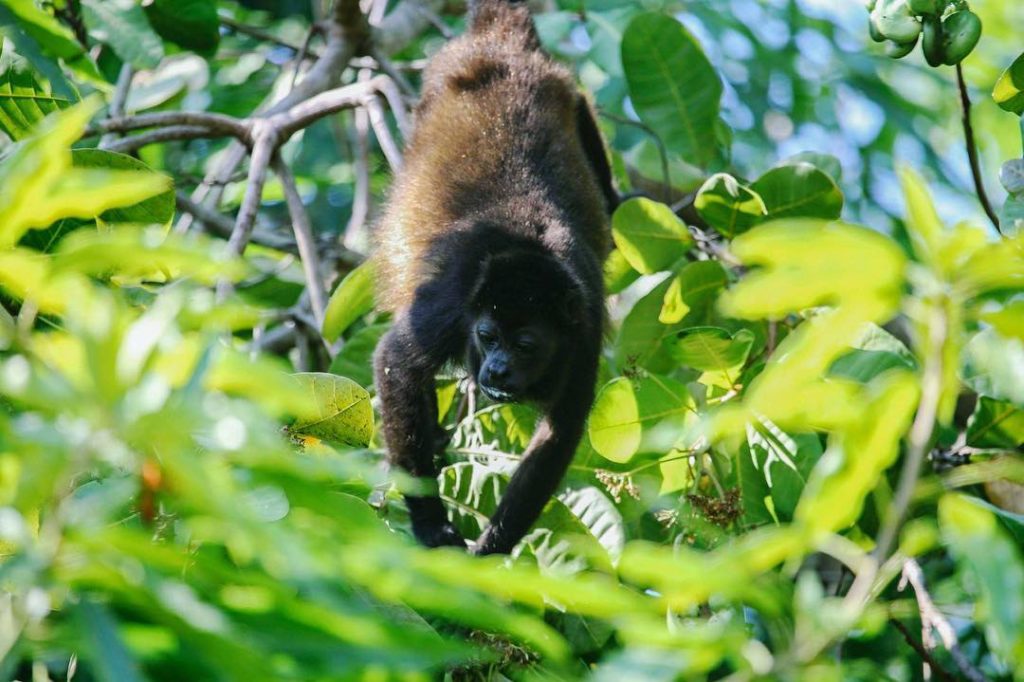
(130, 145)
(117, 101)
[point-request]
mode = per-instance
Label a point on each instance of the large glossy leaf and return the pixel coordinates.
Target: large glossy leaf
(351, 300)
(728, 206)
(996, 424)
(672, 85)
(649, 235)
(344, 415)
(122, 25)
(689, 296)
(711, 349)
(799, 191)
(633, 416)
(24, 99)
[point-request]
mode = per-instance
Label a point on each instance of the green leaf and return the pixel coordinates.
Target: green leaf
(343, 415)
(672, 85)
(644, 340)
(38, 184)
(826, 163)
(1009, 89)
(107, 653)
(156, 210)
(728, 206)
(799, 190)
(192, 24)
(1008, 320)
(355, 360)
(994, 366)
(40, 38)
(633, 416)
(600, 515)
(618, 273)
(995, 424)
(1011, 218)
(996, 568)
(649, 235)
(24, 100)
(122, 24)
(711, 349)
(784, 461)
(351, 300)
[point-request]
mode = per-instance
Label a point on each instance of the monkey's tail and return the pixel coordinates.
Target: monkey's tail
(504, 20)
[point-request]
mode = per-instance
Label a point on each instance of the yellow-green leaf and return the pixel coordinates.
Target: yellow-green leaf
(343, 415)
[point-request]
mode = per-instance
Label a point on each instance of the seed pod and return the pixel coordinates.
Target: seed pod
(931, 40)
(899, 50)
(895, 20)
(924, 7)
(961, 31)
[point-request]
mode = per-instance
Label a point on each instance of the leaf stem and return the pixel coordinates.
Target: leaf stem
(972, 148)
(919, 439)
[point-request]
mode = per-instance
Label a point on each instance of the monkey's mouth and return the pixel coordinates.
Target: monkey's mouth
(497, 395)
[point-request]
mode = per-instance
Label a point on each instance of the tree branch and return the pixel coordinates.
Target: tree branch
(265, 139)
(130, 145)
(972, 148)
(304, 239)
(932, 619)
(117, 101)
(919, 439)
(925, 655)
(216, 123)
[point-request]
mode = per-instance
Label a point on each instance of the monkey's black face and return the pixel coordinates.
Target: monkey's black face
(513, 358)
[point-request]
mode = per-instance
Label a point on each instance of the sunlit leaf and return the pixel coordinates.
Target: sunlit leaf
(649, 235)
(728, 206)
(798, 191)
(24, 99)
(672, 85)
(648, 414)
(1009, 89)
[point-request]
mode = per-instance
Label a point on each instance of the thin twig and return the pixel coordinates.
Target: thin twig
(392, 152)
(361, 191)
(305, 240)
(925, 655)
(662, 150)
(919, 439)
(117, 101)
(267, 36)
(972, 148)
(222, 225)
(385, 65)
(932, 619)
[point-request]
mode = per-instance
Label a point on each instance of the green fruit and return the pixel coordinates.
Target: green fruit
(876, 35)
(895, 21)
(931, 40)
(961, 31)
(924, 7)
(870, 4)
(899, 50)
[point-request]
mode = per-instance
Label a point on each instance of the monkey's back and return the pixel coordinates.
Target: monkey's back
(496, 138)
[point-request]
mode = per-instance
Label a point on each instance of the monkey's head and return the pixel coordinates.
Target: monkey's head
(526, 312)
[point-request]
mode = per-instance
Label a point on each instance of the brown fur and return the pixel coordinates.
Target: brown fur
(496, 125)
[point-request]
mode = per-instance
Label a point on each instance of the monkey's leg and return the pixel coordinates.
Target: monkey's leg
(405, 384)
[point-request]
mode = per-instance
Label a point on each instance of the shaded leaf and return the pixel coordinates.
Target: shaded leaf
(351, 300)
(122, 25)
(728, 206)
(799, 190)
(192, 24)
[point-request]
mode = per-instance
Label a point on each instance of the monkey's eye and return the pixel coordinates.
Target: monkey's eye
(487, 339)
(526, 346)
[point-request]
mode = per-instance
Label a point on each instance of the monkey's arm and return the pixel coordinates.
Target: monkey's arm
(405, 385)
(543, 466)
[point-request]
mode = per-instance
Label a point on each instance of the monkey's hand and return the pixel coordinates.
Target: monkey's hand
(439, 535)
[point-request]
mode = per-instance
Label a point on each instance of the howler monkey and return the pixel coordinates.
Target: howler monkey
(490, 254)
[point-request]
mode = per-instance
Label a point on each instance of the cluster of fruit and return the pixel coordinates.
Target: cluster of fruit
(948, 30)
